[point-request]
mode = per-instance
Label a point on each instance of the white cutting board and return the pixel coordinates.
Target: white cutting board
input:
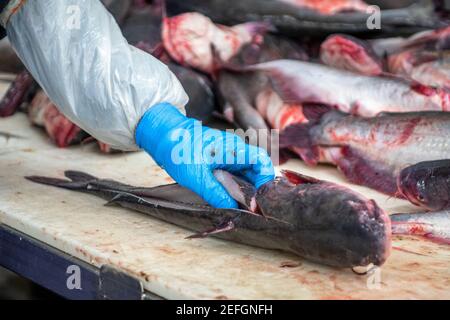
(159, 255)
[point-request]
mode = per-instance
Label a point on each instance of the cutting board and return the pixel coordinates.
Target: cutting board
(159, 254)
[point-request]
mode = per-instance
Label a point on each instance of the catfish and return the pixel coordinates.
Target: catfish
(315, 220)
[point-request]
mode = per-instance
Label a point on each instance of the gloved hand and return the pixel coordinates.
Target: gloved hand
(76, 52)
(190, 153)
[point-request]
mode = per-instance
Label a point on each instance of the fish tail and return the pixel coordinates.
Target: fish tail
(78, 180)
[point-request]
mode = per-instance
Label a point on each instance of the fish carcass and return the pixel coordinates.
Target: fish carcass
(431, 225)
(316, 220)
(370, 151)
(297, 18)
(306, 82)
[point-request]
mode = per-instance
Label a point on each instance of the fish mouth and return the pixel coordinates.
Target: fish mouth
(385, 238)
(407, 188)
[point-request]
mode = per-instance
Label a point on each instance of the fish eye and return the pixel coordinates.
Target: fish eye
(421, 198)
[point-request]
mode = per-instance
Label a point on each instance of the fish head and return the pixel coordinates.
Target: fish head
(427, 184)
(362, 230)
(328, 223)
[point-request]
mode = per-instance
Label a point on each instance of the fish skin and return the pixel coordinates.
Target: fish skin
(372, 151)
(431, 225)
(202, 99)
(238, 92)
(306, 82)
(22, 87)
(143, 25)
(316, 220)
(9, 61)
(427, 184)
(118, 8)
(292, 20)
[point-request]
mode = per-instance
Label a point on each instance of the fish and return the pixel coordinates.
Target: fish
(18, 92)
(202, 99)
(142, 25)
(238, 93)
(143, 29)
(193, 40)
(9, 61)
(296, 21)
(315, 220)
(43, 113)
(370, 151)
(431, 68)
(367, 96)
(119, 9)
(427, 184)
(432, 40)
(431, 225)
(422, 58)
(352, 54)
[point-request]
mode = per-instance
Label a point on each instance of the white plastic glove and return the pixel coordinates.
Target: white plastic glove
(76, 52)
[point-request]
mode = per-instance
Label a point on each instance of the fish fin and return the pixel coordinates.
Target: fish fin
(315, 112)
(239, 189)
(79, 176)
(297, 136)
(224, 227)
(297, 178)
(361, 170)
(60, 183)
(115, 201)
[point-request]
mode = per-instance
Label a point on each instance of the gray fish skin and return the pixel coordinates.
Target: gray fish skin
(305, 82)
(316, 220)
(9, 61)
(432, 225)
(295, 21)
(427, 184)
(238, 93)
(202, 100)
(373, 151)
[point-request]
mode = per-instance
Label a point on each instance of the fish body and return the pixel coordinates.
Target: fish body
(316, 220)
(193, 40)
(9, 61)
(432, 225)
(202, 100)
(427, 184)
(291, 19)
(118, 8)
(431, 68)
(142, 25)
(305, 82)
(22, 87)
(238, 93)
(372, 151)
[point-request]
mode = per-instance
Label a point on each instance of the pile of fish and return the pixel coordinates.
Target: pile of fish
(374, 102)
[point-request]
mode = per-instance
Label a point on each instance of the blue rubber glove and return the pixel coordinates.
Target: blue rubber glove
(190, 153)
